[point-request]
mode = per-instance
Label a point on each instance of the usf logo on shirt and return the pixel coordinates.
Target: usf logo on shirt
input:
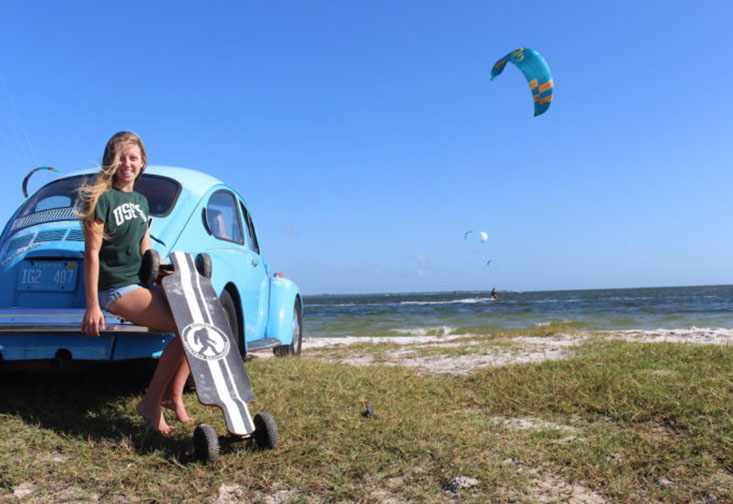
(126, 212)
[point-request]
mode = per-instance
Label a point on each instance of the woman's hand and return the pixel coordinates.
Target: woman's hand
(93, 322)
(162, 271)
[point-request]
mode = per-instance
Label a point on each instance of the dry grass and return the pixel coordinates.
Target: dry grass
(613, 421)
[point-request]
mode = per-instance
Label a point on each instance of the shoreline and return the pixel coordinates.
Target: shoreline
(437, 355)
(694, 335)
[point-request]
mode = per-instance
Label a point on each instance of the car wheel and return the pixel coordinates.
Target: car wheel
(230, 308)
(295, 347)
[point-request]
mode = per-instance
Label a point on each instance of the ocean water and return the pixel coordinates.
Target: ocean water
(443, 313)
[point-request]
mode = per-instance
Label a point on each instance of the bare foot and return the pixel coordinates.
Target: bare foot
(178, 408)
(154, 417)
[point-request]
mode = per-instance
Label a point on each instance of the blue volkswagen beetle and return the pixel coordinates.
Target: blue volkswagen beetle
(42, 301)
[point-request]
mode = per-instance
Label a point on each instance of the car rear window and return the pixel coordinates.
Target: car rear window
(162, 193)
(55, 201)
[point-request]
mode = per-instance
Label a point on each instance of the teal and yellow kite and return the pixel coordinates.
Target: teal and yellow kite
(535, 69)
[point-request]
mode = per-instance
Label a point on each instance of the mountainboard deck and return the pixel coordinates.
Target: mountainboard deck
(211, 349)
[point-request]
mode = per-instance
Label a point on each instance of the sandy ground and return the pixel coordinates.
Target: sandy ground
(423, 352)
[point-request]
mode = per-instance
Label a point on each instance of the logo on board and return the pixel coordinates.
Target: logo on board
(205, 342)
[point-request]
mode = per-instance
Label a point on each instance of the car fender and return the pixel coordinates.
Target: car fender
(283, 294)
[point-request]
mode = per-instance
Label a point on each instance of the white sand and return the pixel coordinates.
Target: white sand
(518, 350)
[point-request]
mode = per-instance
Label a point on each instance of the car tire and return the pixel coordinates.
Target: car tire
(230, 308)
(296, 346)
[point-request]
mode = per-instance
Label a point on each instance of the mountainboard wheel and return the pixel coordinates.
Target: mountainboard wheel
(203, 265)
(149, 267)
(266, 434)
(205, 443)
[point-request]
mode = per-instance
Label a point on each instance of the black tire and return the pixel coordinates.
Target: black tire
(296, 346)
(203, 264)
(266, 433)
(205, 443)
(149, 267)
(230, 308)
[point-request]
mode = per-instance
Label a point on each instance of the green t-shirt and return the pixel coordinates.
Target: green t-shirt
(125, 217)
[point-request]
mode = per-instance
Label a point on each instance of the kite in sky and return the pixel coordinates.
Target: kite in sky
(34, 170)
(535, 69)
(482, 235)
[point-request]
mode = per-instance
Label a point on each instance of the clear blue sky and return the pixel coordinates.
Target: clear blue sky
(367, 137)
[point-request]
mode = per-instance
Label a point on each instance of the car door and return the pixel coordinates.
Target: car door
(242, 265)
(262, 276)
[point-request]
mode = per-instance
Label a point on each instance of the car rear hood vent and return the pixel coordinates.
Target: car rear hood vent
(20, 242)
(51, 235)
(75, 235)
(44, 237)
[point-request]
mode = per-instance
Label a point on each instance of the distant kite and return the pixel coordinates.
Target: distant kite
(537, 72)
(483, 235)
(34, 170)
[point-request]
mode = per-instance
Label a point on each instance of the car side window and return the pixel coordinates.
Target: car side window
(222, 217)
(251, 235)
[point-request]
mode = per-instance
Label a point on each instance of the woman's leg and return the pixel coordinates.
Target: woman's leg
(148, 307)
(150, 405)
(173, 397)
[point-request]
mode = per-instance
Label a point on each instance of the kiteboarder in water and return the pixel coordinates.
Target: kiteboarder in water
(493, 294)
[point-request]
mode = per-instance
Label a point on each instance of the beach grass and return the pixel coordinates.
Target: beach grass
(614, 422)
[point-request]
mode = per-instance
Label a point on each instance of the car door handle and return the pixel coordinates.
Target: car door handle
(255, 262)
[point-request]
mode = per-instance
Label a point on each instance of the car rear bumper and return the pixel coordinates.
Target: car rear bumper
(32, 334)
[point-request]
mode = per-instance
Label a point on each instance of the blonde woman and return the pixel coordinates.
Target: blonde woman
(115, 221)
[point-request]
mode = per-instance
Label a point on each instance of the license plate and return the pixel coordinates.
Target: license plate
(47, 276)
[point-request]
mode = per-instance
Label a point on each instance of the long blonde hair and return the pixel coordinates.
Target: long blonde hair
(89, 194)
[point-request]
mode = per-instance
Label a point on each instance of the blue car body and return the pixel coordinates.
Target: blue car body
(42, 301)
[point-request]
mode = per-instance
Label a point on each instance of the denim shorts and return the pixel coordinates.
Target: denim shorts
(109, 296)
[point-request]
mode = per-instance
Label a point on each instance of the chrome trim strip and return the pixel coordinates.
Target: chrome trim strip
(27, 320)
(46, 328)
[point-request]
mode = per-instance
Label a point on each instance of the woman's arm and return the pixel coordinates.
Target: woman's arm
(145, 243)
(93, 320)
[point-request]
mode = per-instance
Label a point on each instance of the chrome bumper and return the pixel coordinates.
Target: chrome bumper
(30, 320)
(33, 334)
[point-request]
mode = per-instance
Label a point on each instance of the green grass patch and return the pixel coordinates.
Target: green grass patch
(628, 422)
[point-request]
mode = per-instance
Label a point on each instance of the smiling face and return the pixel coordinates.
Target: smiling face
(130, 165)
